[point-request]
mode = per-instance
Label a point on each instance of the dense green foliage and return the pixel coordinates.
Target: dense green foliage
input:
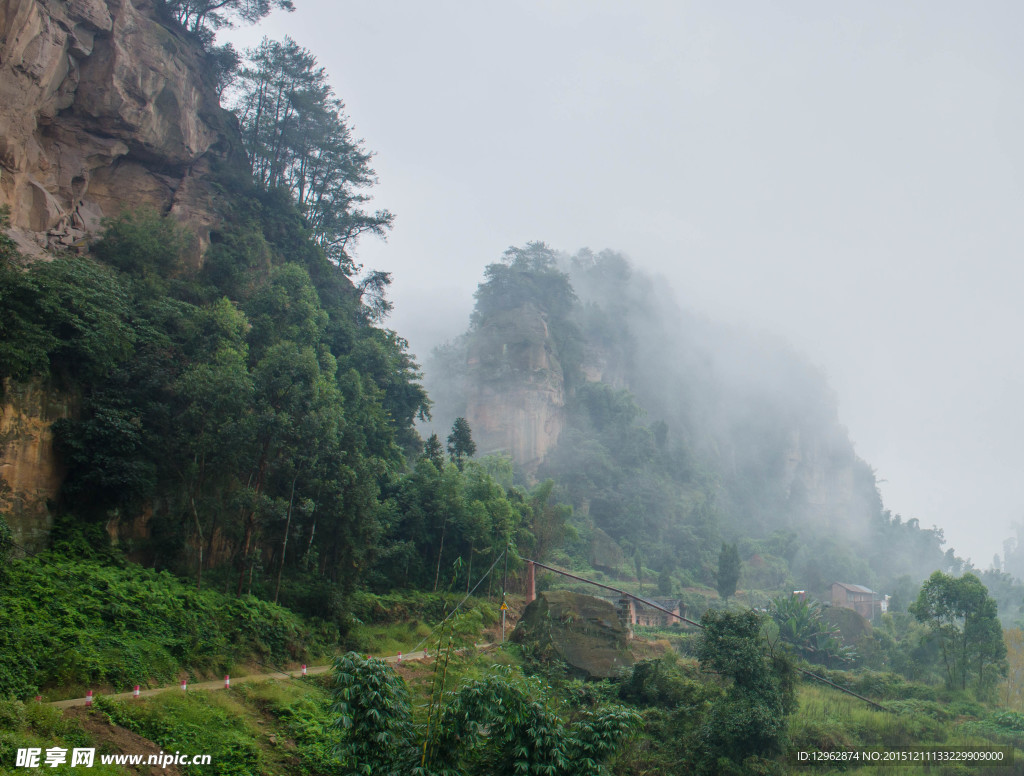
(88, 624)
(372, 711)
(749, 720)
(257, 414)
(503, 725)
(802, 626)
(297, 138)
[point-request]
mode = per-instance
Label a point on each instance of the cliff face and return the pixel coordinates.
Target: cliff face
(28, 468)
(103, 108)
(819, 472)
(516, 398)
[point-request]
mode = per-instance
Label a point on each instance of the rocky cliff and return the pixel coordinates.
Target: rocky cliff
(103, 107)
(29, 470)
(516, 398)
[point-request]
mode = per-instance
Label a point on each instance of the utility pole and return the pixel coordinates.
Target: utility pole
(504, 605)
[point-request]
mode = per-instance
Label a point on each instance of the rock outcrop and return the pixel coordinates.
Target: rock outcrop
(104, 107)
(583, 631)
(819, 476)
(29, 472)
(516, 398)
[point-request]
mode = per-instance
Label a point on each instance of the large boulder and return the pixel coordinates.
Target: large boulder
(583, 631)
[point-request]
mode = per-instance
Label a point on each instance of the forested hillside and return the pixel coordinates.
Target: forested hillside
(247, 422)
(221, 458)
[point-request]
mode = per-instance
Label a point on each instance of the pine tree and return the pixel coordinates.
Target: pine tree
(728, 571)
(433, 452)
(297, 137)
(460, 443)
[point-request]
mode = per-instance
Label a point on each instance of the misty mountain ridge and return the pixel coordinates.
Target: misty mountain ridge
(670, 433)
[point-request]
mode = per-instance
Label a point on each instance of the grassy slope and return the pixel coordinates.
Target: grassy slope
(71, 625)
(281, 727)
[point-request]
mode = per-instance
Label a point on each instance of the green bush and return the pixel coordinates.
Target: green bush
(140, 242)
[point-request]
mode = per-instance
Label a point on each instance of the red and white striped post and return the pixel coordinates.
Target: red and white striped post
(88, 698)
(184, 686)
(303, 669)
(135, 694)
(399, 657)
(227, 681)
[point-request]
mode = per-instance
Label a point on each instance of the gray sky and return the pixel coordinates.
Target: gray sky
(847, 176)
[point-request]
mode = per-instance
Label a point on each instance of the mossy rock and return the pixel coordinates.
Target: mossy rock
(853, 627)
(582, 631)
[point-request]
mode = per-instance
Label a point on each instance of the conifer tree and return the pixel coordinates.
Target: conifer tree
(297, 138)
(728, 571)
(460, 443)
(433, 451)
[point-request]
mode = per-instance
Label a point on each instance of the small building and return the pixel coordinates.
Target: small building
(866, 602)
(633, 612)
(650, 617)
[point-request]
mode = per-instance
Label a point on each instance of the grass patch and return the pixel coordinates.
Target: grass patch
(33, 725)
(195, 723)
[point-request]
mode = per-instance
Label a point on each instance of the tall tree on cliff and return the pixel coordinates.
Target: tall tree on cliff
(297, 137)
(202, 17)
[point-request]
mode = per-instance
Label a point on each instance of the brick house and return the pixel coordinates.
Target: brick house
(867, 603)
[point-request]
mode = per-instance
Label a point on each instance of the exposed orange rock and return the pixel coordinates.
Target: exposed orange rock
(29, 468)
(517, 401)
(103, 108)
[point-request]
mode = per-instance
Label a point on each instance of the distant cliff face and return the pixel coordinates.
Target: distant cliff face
(103, 108)
(516, 398)
(820, 472)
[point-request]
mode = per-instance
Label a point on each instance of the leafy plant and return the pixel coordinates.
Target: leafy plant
(373, 714)
(802, 626)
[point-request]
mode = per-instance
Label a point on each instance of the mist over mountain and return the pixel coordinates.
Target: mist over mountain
(670, 433)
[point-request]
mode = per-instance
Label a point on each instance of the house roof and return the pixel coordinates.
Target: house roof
(854, 588)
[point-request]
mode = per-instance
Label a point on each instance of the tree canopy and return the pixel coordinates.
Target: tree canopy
(962, 618)
(203, 17)
(298, 138)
